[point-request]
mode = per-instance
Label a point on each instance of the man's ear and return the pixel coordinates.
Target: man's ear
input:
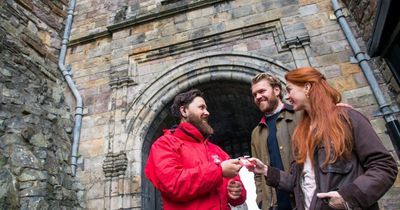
(277, 91)
(183, 111)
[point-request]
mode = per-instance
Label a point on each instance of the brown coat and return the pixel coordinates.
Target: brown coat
(361, 180)
(285, 124)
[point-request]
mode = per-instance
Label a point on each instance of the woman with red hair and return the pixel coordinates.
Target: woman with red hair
(340, 162)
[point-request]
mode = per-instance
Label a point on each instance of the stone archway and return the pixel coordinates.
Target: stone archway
(232, 115)
(225, 79)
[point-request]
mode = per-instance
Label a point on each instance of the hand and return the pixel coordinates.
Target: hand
(335, 199)
(234, 189)
(230, 168)
(245, 162)
(344, 105)
(260, 167)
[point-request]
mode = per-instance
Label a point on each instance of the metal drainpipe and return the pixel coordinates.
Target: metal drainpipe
(66, 71)
(392, 124)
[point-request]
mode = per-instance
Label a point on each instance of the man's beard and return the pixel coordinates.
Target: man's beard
(201, 124)
(272, 104)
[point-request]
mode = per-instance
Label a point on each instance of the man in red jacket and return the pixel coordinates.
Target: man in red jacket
(189, 171)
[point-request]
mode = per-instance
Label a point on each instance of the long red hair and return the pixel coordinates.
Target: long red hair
(326, 125)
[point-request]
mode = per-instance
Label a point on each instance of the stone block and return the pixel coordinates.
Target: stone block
(95, 83)
(386, 72)
(143, 28)
(221, 17)
(334, 58)
(394, 86)
(95, 204)
(379, 125)
(118, 43)
(99, 51)
(314, 23)
(339, 46)
(349, 68)
(242, 47)
(307, 2)
(267, 6)
(223, 7)
(98, 132)
(135, 184)
(242, 11)
(92, 147)
(153, 34)
(193, 14)
(343, 83)
(180, 18)
(121, 34)
(325, 6)
(365, 100)
(100, 21)
(360, 79)
(302, 63)
(200, 32)
(334, 36)
(284, 57)
(289, 11)
(208, 11)
(252, 46)
(331, 71)
(308, 10)
(299, 53)
(368, 111)
(294, 30)
(200, 22)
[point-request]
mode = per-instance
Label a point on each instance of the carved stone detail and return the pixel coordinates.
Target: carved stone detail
(115, 164)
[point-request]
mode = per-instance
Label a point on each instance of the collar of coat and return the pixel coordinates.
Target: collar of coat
(187, 132)
(286, 113)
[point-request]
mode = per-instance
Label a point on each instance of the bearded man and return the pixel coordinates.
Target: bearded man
(271, 138)
(188, 170)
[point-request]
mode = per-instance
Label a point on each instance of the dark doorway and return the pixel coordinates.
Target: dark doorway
(233, 115)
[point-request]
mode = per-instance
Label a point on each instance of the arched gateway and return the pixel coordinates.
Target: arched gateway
(225, 80)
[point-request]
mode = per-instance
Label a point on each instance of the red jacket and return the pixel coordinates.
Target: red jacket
(184, 167)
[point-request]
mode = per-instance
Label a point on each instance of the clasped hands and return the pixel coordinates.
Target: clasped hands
(230, 169)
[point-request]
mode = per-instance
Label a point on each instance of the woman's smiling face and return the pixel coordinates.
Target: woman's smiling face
(296, 95)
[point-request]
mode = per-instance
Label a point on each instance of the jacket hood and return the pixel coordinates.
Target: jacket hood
(187, 132)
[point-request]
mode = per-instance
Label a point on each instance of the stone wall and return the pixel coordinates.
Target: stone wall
(363, 12)
(131, 57)
(35, 109)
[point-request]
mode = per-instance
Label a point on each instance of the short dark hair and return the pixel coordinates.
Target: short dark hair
(184, 99)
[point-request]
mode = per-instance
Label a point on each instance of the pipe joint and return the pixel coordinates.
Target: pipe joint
(339, 13)
(78, 114)
(67, 71)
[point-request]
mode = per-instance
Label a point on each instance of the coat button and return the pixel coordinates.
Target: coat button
(281, 147)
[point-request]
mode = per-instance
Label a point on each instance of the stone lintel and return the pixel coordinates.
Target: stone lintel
(215, 39)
